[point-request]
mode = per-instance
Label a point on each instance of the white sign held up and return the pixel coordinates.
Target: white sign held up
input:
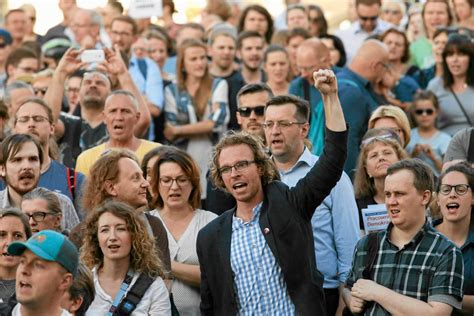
(142, 9)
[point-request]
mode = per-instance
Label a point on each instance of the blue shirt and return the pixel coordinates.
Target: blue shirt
(150, 85)
(258, 280)
(55, 179)
(358, 101)
(335, 223)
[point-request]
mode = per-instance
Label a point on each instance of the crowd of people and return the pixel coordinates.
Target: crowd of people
(247, 164)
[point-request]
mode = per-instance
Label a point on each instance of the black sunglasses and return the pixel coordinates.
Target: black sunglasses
(246, 111)
(422, 111)
(367, 18)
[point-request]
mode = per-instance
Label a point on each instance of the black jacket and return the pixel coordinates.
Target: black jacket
(285, 221)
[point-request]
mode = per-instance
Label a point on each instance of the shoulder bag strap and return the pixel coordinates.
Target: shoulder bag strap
(372, 252)
(462, 107)
(118, 297)
(134, 295)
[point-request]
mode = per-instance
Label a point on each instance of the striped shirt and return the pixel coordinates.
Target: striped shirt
(258, 280)
(428, 268)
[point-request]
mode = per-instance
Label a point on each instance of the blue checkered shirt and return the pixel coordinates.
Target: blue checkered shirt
(258, 280)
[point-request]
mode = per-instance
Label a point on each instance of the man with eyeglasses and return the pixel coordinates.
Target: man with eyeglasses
(409, 268)
(34, 117)
(144, 71)
(258, 258)
(22, 157)
(251, 101)
(250, 46)
(43, 210)
(335, 223)
(311, 56)
(21, 61)
(367, 24)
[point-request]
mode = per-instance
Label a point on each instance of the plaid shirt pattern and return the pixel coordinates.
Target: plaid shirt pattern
(258, 280)
(428, 268)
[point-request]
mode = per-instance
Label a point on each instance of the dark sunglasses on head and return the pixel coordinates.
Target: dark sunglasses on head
(246, 111)
(424, 111)
(368, 18)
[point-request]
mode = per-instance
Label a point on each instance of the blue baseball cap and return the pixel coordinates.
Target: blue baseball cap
(50, 246)
(7, 38)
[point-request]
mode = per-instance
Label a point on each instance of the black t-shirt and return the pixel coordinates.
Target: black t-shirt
(79, 136)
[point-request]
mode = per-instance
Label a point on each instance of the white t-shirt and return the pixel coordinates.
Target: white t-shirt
(155, 301)
(16, 311)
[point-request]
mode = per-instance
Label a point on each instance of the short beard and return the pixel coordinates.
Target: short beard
(93, 104)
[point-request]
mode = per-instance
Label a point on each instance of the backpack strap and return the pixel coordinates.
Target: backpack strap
(372, 253)
(71, 176)
(470, 150)
(134, 295)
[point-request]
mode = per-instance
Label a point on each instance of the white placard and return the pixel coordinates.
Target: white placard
(375, 218)
(141, 9)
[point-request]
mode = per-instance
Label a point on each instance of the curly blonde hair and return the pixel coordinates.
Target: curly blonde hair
(105, 168)
(261, 158)
(144, 256)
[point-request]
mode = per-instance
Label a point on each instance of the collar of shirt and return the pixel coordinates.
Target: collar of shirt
(416, 239)
(379, 28)
(238, 223)
(5, 199)
(306, 158)
(358, 79)
(470, 236)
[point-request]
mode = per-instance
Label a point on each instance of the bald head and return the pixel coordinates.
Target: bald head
(370, 60)
(312, 55)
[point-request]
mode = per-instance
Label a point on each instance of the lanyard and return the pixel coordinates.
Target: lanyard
(121, 293)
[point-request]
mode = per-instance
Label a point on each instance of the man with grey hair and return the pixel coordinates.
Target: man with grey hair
(15, 93)
(85, 26)
(120, 117)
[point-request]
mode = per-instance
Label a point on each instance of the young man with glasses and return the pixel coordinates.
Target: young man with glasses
(427, 277)
(22, 157)
(258, 258)
(367, 24)
(21, 62)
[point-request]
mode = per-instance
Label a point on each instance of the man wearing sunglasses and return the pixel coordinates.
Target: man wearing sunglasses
(251, 100)
(367, 24)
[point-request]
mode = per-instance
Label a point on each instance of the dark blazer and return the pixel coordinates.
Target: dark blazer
(285, 221)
